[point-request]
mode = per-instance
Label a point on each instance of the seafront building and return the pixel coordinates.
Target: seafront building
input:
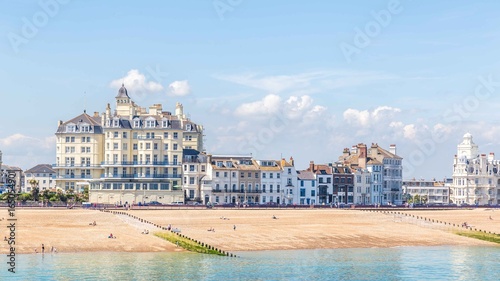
(476, 177)
(128, 155)
(430, 192)
(386, 170)
(41, 176)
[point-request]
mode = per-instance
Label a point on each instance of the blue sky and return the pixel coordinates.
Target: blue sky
(271, 78)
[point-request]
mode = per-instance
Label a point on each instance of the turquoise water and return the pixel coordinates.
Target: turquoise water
(404, 263)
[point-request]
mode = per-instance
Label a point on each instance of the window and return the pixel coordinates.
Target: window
(271, 188)
(302, 192)
(166, 146)
(115, 134)
(191, 169)
(301, 183)
(165, 135)
(124, 146)
(216, 174)
(148, 145)
(270, 175)
(134, 146)
(124, 135)
(176, 135)
(256, 175)
(313, 193)
(150, 123)
(175, 146)
(164, 123)
(278, 175)
(225, 174)
(263, 175)
(115, 145)
(137, 123)
(155, 146)
(191, 180)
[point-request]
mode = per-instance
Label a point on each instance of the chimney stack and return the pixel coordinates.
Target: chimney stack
(311, 166)
(392, 149)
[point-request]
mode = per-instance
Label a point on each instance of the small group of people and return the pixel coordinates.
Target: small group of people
(224, 218)
(111, 236)
(211, 229)
(145, 231)
(93, 223)
(274, 217)
(465, 224)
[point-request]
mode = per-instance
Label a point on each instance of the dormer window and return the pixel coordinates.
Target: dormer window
(137, 123)
(150, 123)
(116, 122)
(188, 127)
(164, 123)
(85, 128)
(70, 128)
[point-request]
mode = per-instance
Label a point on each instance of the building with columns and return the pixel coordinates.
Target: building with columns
(476, 177)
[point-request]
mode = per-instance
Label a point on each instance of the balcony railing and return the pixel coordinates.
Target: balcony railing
(62, 165)
(148, 138)
(141, 176)
(132, 163)
(74, 176)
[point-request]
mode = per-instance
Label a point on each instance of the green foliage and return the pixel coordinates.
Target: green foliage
(25, 197)
(495, 238)
(187, 244)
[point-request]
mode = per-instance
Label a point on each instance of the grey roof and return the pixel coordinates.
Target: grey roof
(94, 122)
(305, 175)
(190, 151)
(41, 168)
(122, 92)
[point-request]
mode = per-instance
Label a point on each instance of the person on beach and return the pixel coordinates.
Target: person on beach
(234, 227)
(43, 249)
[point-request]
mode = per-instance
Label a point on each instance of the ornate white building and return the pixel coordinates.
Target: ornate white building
(476, 177)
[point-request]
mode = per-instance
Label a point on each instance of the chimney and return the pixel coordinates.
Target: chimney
(283, 162)
(491, 157)
(311, 166)
(346, 152)
(96, 113)
(354, 149)
(392, 149)
(362, 155)
(291, 161)
(59, 123)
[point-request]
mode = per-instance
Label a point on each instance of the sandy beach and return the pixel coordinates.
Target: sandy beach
(239, 230)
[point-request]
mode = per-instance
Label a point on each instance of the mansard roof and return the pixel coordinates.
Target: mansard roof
(82, 119)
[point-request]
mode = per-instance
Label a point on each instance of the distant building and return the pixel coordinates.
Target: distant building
(426, 191)
(43, 174)
(19, 178)
(386, 168)
(476, 177)
(306, 188)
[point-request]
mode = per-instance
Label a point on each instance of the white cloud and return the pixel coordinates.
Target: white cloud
(410, 131)
(179, 88)
(308, 81)
(135, 81)
(26, 151)
(268, 105)
(365, 118)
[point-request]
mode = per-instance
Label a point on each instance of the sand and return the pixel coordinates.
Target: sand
(69, 230)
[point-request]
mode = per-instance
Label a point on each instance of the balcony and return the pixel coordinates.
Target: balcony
(74, 176)
(148, 138)
(139, 163)
(217, 190)
(140, 176)
(75, 165)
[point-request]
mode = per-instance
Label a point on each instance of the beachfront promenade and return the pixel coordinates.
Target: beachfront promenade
(246, 229)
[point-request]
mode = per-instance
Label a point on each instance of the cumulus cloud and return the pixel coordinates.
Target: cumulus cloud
(179, 88)
(26, 151)
(136, 82)
(365, 118)
(268, 105)
(410, 131)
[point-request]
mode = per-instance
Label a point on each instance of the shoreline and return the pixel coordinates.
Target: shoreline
(243, 230)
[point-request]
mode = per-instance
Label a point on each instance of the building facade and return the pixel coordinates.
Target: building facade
(430, 192)
(128, 155)
(476, 177)
(43, 175)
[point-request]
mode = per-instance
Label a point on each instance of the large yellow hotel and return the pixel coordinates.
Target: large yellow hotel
(127, 155)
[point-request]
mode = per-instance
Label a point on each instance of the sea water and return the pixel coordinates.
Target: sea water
(402, 263)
